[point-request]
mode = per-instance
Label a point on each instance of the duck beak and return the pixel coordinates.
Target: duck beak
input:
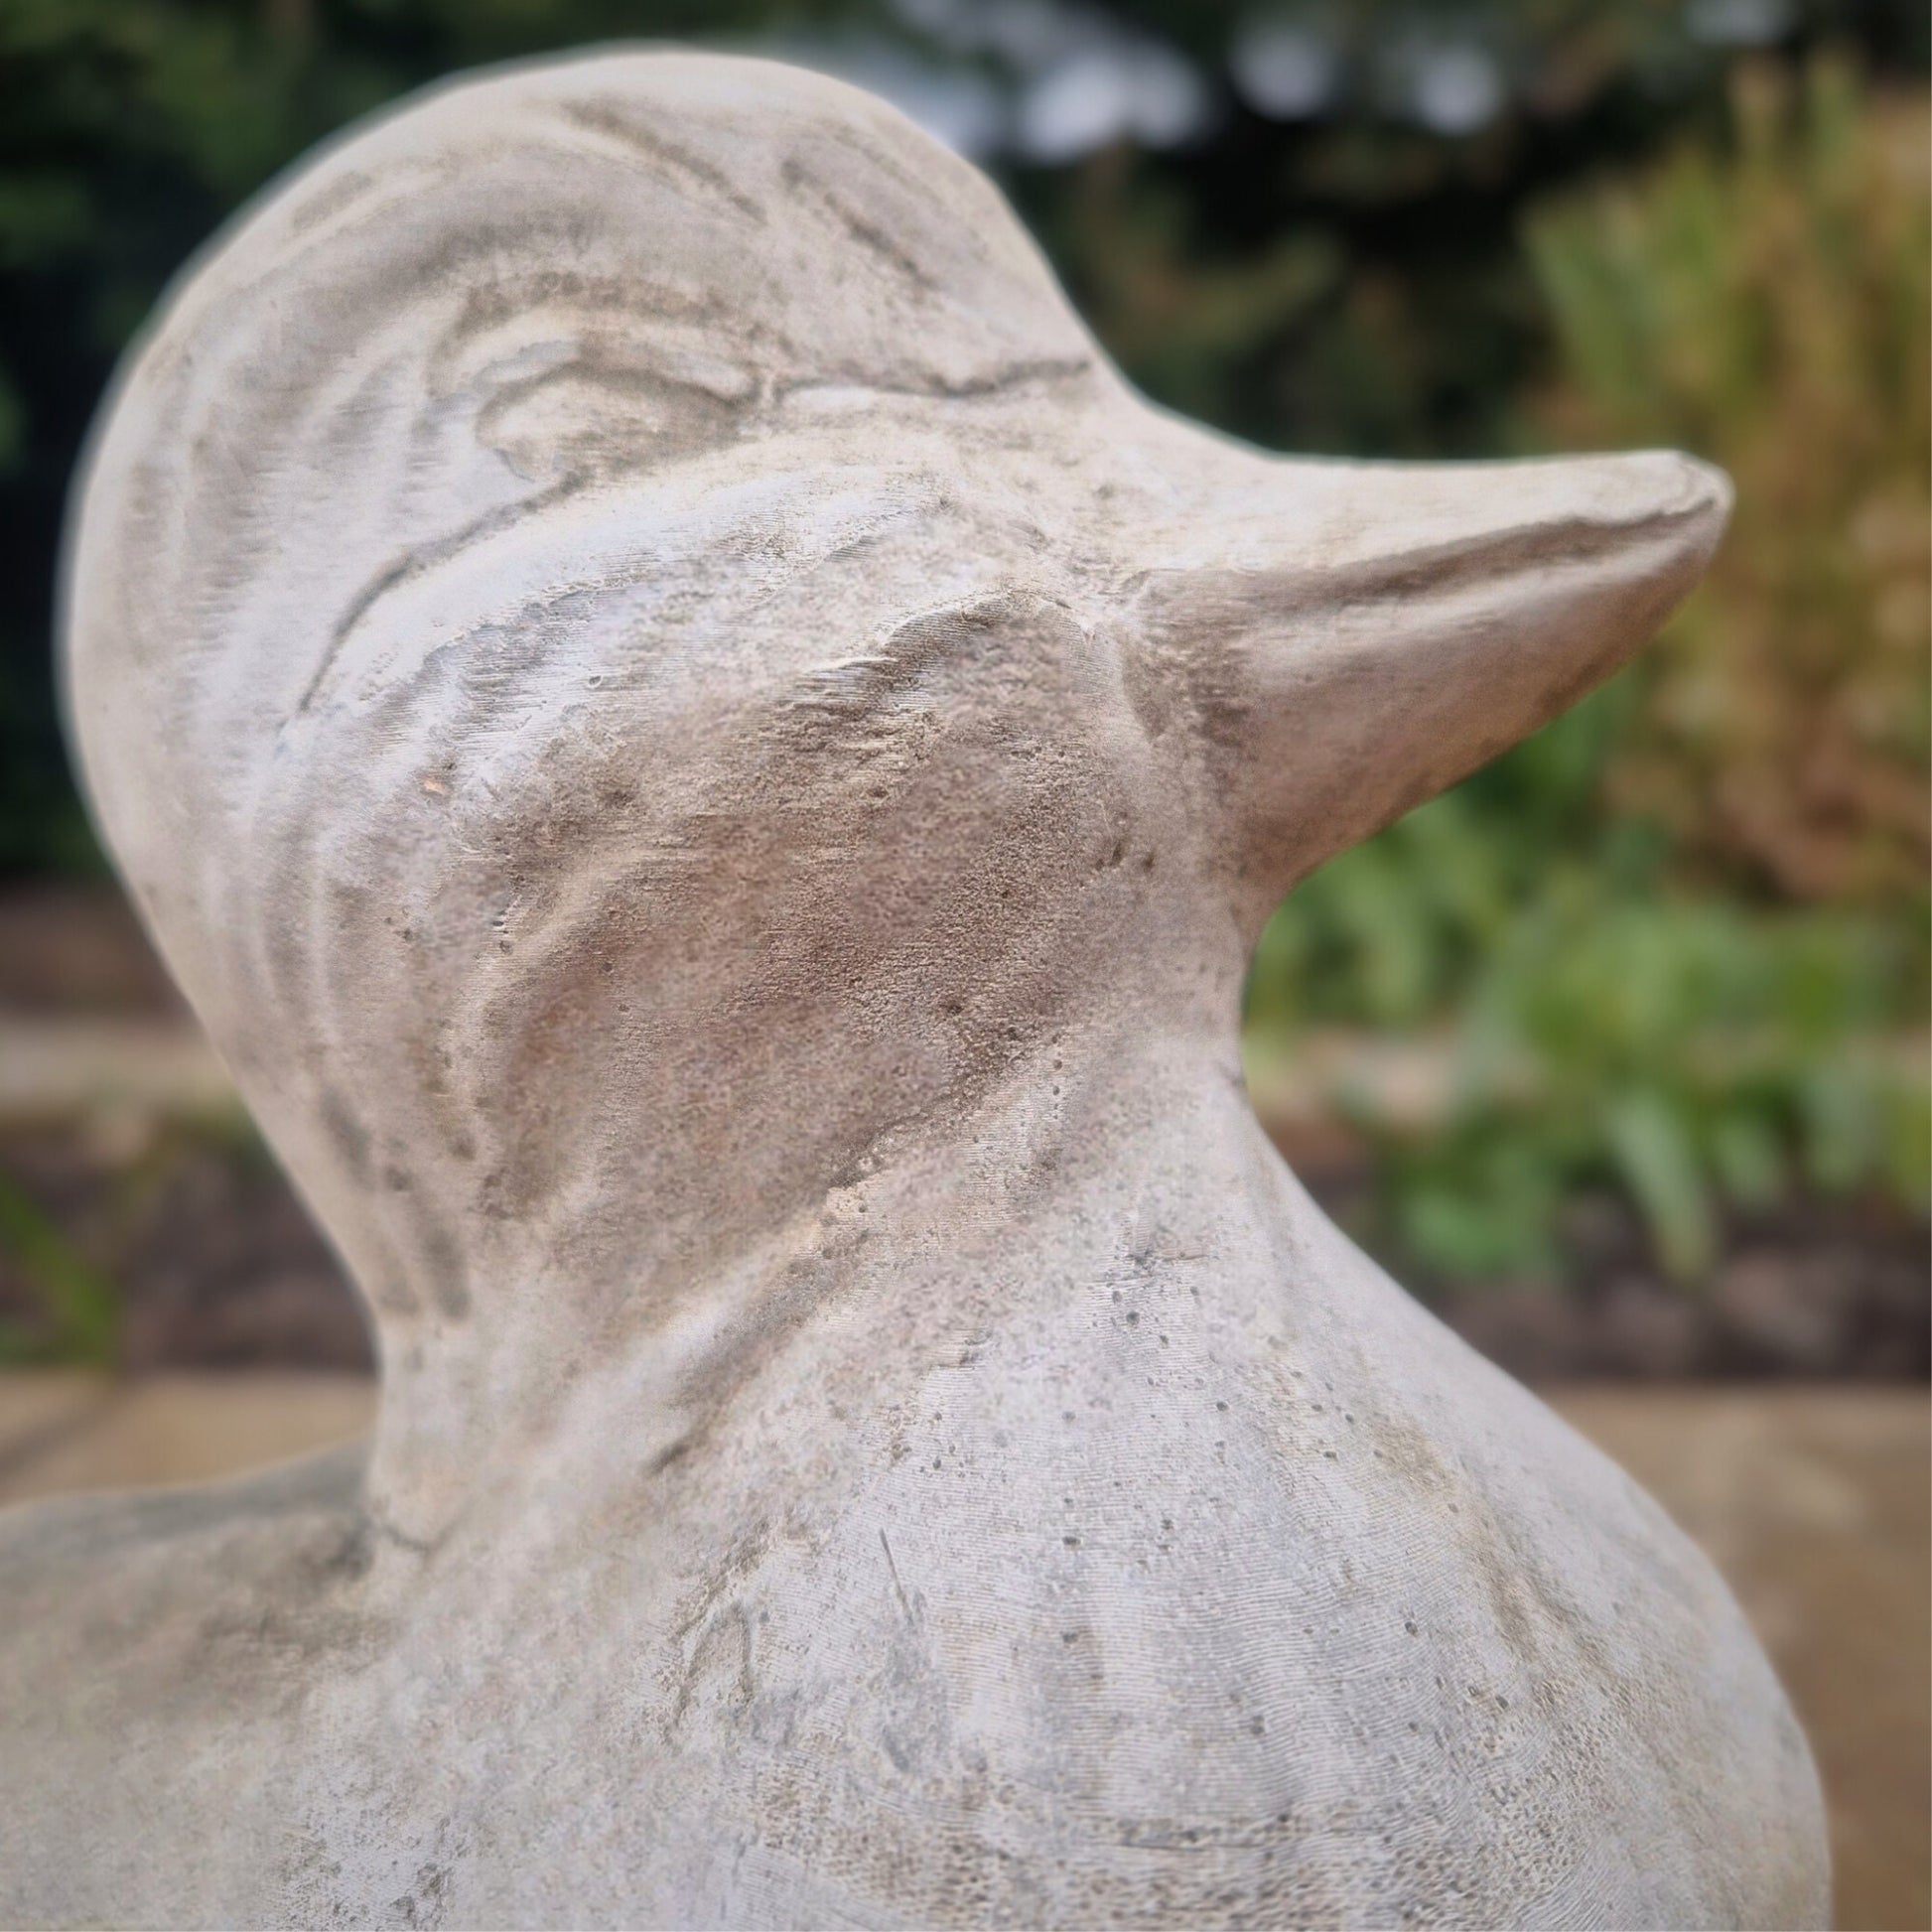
(1346, 640)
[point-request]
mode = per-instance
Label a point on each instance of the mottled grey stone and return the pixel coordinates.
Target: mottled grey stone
(714, 774)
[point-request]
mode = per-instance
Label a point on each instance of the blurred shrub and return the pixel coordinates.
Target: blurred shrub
(1770, 310)
(1681, 933)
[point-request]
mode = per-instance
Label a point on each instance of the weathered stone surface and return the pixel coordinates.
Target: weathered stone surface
(713, 773)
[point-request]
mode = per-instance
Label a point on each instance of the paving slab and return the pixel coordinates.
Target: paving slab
(67, 1432)
(1816, 1506)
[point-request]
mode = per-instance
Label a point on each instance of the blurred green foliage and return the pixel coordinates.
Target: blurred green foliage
(81, 1309)
(1670, 946)
(1683, 932)
(1772, 310)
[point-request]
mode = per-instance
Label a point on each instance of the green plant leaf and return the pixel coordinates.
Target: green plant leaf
(82, 1302)
(1657, 1159)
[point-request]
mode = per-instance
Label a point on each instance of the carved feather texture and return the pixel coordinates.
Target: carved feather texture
(713, 771)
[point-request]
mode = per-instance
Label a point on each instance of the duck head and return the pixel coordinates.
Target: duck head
(637, 658)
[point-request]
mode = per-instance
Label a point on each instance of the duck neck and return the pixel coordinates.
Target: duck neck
(627, 1330)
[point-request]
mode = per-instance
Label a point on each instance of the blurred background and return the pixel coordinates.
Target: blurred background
(1617, 1053)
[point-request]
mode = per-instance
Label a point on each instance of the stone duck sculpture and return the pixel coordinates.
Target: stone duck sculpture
(714, 774)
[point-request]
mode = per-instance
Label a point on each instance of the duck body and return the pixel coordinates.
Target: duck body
(714, 774)
(1182, 1572)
